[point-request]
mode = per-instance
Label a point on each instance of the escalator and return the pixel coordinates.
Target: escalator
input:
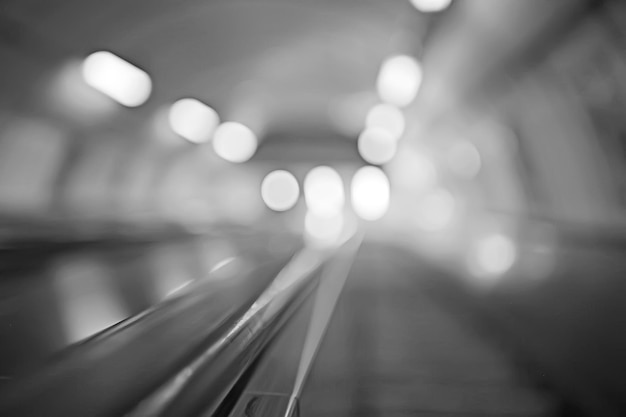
(314, 208)
(395, 349)
(115, 322)
(264, 333)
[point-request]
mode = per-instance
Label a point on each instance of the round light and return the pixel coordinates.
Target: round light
(495, 254)
(464, 159)
(280, 190)
(193, 120)
(377, 146)
(323, 191)
(399, 80)
(370, 193)
(431, 6)
(323, 229)
(234, 142)
(117, 78)
(386, 117)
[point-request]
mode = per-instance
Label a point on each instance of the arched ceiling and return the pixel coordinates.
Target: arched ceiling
(273, 64)
(292, 58)
(286, 68)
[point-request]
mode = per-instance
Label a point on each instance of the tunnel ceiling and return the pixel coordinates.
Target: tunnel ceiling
(292, 58)
(282, 67)
(274, 64)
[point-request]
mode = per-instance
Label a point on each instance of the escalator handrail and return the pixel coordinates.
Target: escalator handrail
(201, 387)
(79, 383)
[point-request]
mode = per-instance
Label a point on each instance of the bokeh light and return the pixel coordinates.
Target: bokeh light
(323, 191)
(323, 230)
(493, 255)
(376, 146)
(431, 6)
(386, 117)
(234, 142)
(117, 78)
(399, 80)
(193, 120)
(280, 190)
(370, 193)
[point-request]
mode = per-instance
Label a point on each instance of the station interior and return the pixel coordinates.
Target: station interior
(294, 208)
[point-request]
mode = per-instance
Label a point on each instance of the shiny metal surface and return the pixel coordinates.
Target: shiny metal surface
(66, 296)
(214, 329)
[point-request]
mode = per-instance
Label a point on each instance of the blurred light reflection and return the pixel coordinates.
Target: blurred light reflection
(493, 255)
(399, 80)
(224, 262)
(323, 230)
(117, 78)
(234, 142)
(386, 117)
(228, 268)
(215, 253)
(280, 190)
(323, 191)
(431, 6)
(193, 120)
(376, 146)
(370, 193)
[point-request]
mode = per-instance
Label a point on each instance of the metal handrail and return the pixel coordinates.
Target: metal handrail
(116, 370)
(200, 387)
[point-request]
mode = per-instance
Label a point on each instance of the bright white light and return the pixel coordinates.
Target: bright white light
(386, 117)
(234, 142)
(280, 190)
(399, 80)
(377, 146)
(370, 193)
(494, 254)
(323, 191)
(323, 230)
(464, 160)
(118, 79)
(431, 6)
(436, 210)
(193, 120)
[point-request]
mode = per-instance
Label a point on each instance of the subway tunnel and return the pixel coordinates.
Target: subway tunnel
(312, 208)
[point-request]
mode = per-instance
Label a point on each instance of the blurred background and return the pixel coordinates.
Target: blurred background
(414, 207)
